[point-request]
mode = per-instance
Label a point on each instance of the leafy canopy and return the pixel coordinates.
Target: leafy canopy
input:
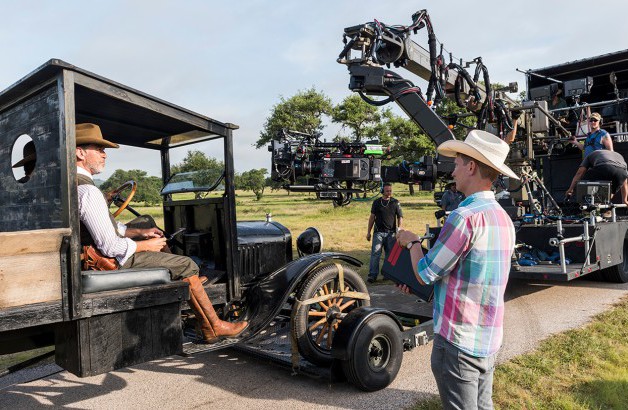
(253, 180)
(196, 160)
(302, 112)
(148, 187)
(363, 120)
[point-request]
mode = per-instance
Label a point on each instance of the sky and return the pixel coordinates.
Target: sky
(234, 60)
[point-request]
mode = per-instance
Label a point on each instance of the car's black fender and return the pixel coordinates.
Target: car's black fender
(265, 298)
(344, 339)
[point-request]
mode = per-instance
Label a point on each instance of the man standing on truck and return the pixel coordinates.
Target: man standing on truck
(387, 216)
(596, 139)
(103, 237)
(603, 165)
(468, 265)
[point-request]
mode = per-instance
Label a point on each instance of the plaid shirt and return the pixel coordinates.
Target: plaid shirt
(469, 266)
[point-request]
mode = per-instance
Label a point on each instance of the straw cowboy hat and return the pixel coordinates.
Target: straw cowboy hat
(482, 146)
(28, 153)
(90, 134)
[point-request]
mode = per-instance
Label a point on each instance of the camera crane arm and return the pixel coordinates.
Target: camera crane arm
(381, 45)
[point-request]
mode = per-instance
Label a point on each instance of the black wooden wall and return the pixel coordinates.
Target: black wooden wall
(36, 204)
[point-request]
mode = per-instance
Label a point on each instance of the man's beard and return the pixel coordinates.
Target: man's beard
(95, 168)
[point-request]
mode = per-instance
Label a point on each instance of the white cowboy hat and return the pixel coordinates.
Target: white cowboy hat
(482, 146)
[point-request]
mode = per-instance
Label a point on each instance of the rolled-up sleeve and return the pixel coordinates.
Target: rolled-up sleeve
(451, 244)
(94, 214)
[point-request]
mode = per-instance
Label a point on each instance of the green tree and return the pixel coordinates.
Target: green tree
(254, 180)
(148, 187)
(409, 142)
(196, 160)
(302, 112)
(361, 118)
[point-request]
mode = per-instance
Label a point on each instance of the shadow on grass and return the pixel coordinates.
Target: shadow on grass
(432, 403)
(603, 394)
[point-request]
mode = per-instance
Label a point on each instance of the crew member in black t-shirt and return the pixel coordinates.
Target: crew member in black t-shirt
(387, 216)
(603, 165)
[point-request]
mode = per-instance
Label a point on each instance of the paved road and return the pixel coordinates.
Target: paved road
(234, 380)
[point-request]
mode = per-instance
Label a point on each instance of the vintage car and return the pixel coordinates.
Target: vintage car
(104, 320)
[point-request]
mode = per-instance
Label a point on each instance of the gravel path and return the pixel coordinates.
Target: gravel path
(229, 379)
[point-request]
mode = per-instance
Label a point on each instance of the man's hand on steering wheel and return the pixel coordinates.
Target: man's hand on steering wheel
(115, 197)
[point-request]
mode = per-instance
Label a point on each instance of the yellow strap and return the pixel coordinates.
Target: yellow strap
(350, 294)
(341, 276)
(295, 356)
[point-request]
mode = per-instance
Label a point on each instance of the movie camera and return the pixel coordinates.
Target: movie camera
(337, 170)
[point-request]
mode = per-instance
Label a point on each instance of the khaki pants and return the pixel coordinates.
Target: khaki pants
(180, 266)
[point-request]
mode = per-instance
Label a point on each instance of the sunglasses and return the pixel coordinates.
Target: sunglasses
(593, 120)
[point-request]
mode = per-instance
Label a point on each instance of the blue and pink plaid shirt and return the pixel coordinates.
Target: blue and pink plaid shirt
(469, 266)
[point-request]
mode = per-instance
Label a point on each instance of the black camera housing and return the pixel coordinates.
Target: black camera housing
(326, 162)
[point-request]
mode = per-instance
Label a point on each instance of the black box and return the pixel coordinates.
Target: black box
(198, 244)
(593, 192)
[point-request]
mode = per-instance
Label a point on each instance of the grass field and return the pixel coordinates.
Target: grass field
(584, 368)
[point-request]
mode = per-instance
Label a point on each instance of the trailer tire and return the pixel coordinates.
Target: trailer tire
(313, 344)
(376, 357)
(618, 273)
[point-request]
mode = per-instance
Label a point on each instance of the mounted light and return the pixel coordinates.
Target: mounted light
(310, 242)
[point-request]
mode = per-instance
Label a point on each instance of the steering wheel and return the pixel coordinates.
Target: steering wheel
(122, 202)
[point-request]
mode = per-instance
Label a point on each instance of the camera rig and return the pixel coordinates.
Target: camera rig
(339, 170)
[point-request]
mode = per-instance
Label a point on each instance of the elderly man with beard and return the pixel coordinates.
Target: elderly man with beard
(134, 247)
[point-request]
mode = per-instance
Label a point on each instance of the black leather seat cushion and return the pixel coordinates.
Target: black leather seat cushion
(98, 281)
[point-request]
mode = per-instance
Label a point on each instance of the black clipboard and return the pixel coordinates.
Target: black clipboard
(398, 268)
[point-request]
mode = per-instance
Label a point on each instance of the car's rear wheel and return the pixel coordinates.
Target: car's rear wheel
(314, 324)
(376, 357)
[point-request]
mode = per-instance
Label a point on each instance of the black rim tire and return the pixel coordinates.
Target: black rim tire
(315, 343)
(376, 357)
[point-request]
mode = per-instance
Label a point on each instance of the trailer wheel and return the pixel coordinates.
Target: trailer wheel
(313, 325)
(376, 357)
(618, 273)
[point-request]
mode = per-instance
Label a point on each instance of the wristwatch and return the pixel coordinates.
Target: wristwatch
(411, 243)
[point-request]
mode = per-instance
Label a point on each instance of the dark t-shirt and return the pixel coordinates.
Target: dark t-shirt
(450, 199)
(386, 213)
(603, 157)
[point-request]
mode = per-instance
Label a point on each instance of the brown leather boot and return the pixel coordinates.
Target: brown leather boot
(202, 321)
(211, 326)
